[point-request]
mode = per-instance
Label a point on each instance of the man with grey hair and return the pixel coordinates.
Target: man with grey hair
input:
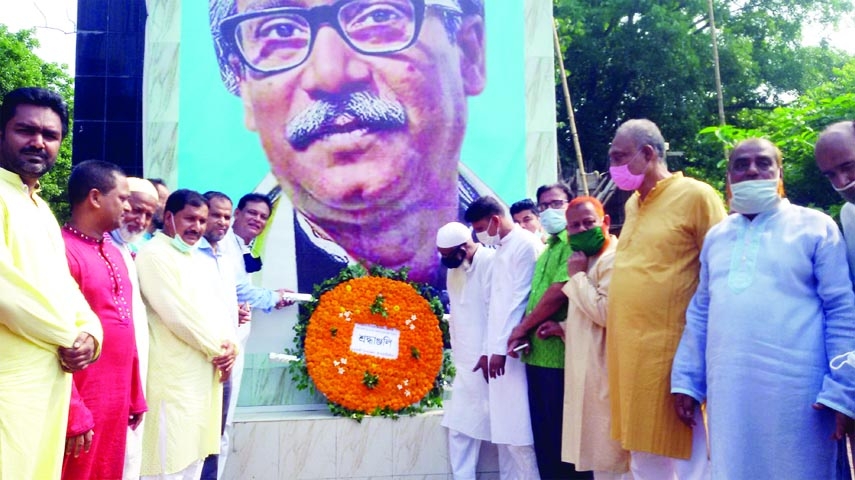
(655, 275)
(361, 109)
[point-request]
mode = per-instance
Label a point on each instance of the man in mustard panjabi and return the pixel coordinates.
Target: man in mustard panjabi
(655, 275)
(46, 327)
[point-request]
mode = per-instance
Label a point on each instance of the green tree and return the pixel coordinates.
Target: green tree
(21, 67)
(644, 58)
(794, 128)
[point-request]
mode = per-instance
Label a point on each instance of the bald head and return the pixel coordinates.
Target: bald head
(754, 159)
(753, 144)
(835, 157)
(643, 132)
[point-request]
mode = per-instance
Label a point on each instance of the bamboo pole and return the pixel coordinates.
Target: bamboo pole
(569, 103)
(718, 91)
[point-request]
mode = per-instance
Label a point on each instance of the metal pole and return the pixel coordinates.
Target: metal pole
(570, 115)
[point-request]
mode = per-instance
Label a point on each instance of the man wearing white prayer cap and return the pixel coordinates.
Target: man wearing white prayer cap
(467, 413)
(128, 237)
(135, 223)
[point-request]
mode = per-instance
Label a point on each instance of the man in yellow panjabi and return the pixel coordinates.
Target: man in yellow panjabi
(191, 343)
(655, 275)
(46, 327)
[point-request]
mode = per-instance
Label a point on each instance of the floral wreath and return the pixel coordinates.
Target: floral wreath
(372, 343)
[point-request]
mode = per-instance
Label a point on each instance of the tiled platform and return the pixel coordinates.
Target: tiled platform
(316, 445)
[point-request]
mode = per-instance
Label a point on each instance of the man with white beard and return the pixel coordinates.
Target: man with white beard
(136, 222)
(128, 237)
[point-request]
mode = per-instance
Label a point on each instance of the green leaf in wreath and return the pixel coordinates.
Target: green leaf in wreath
(370, 380)
(377, 308)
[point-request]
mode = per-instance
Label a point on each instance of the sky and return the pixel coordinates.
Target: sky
(55, 23)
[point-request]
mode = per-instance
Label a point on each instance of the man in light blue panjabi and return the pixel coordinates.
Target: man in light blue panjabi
(773, 307)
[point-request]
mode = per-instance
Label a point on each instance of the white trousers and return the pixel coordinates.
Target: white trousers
(517, 462)
(237, 376)
(463, 455)
(133, 453)
(647, 466)
(192, 472)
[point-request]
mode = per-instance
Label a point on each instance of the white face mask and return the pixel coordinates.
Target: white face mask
(847, 192)
(839, 361)
(487, 239)
(553, 220)
(754, 196)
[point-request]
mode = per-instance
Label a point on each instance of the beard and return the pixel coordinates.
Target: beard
(129, 237)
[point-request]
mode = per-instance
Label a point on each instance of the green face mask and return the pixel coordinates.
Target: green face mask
(179, 242)
(589, 242)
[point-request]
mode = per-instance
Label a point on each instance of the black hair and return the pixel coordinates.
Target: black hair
(482, 208)
(555, 186)
(40, 97)
(523, 205)
(211, 195)
(182, 197)
(254, 198)
(90, 174)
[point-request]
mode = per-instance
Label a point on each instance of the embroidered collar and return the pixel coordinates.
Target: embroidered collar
(67, 227)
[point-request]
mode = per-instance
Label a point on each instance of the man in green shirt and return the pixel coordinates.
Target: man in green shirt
(539, 330)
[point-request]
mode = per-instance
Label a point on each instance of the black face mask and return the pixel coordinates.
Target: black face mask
(455, 259)
(250, 263)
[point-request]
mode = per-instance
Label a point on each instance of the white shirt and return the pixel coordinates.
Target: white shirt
(847, 220)
(468, 410)
(510, 285)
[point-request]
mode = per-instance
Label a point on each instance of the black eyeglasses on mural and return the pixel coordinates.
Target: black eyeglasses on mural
(279, 39)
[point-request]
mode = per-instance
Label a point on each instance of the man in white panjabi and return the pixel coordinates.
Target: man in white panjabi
(510, 284)
(467, 414)
(143, 202)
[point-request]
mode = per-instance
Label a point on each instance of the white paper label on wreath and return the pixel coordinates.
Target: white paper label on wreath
(373, 340)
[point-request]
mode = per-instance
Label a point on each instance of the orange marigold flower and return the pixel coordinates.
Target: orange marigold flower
(343, 383)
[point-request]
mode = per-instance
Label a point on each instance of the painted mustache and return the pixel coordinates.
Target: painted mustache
(344, 113)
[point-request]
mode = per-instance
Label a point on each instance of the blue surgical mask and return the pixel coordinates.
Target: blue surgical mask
(754, 196)
(179, 242)
(553, 220)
